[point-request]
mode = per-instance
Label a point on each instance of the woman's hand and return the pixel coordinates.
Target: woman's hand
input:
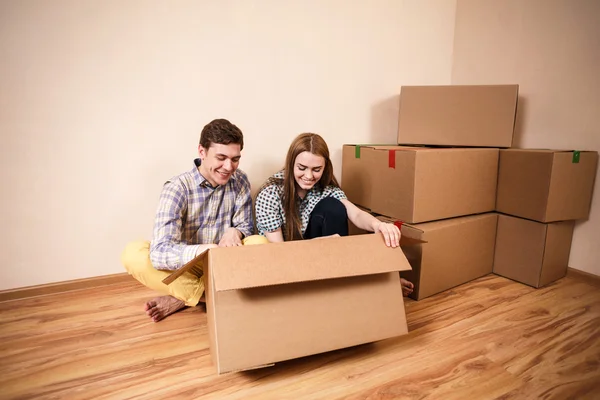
(391, 233)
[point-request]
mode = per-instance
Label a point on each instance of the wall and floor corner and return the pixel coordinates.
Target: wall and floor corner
(101, 102)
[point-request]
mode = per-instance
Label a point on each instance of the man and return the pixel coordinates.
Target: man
(208, 206)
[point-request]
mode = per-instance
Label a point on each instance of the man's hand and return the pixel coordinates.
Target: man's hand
(232, 237)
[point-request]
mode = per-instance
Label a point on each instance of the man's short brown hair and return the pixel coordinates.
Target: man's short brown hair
(221, 131)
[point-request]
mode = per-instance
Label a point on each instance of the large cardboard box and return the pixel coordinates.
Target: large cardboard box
(279, 301)
(531, 252)
(480, 116)
(455, 251)
(426, 184)
(357, 166)
(546, 185)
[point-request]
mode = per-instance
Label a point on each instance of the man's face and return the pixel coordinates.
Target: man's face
(219, 162)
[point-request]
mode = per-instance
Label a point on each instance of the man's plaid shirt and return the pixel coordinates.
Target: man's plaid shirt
(191, 212)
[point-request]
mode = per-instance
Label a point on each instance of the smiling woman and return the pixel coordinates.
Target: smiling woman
(305, 201)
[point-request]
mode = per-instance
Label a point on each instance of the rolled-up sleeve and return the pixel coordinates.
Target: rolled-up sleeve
(242, 218)
(166, 249)
(268, 209)
(337, 193)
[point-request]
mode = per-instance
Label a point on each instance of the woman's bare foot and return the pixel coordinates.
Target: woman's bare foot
(162, 307)
(407, 287)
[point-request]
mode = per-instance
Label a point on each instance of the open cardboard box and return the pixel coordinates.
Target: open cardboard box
(279, 301)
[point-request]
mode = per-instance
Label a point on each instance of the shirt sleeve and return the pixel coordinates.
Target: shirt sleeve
(337, 193)
(166, 249)
(268, 209)
(242, 211)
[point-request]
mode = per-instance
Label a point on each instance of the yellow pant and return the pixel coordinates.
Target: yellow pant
(189, 287)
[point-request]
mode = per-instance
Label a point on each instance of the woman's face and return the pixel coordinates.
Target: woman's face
(308, 169)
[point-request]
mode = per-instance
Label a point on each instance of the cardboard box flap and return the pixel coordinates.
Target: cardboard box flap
(548, 150)
(445, 223)
(198, 260)
(377, 146)
(370, 146)
(397, 147)
(358, 147)
(515, 150)
(445, 150)
(250, 266)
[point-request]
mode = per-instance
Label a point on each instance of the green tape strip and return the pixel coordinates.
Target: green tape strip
(576, 155)
(358, 146)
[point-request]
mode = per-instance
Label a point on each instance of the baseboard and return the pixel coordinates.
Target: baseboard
(586, 276)
(60, 287)
(78, 284)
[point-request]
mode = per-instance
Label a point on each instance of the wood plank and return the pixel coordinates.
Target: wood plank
(491, 338)
(60, 287)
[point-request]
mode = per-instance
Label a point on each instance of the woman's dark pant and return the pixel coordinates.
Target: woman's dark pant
(328, 218)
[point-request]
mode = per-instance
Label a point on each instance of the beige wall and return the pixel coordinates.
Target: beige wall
(102, 101)
(552, 49)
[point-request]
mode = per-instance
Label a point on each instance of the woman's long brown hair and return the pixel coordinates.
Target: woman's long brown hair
(314, 144)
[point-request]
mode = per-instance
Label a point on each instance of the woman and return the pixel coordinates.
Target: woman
(304, 201)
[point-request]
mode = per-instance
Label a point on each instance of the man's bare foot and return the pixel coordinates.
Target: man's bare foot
(162, 307)
(407, 287)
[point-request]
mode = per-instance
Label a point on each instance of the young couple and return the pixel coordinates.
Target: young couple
(211, 206)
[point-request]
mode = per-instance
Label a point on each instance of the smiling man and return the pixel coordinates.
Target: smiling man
(206, 207)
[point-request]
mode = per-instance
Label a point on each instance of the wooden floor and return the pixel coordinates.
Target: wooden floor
(489, 339)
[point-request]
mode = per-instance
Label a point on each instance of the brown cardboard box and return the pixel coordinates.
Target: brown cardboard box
(531, 252)
(425, 184)
(546, 185)
(278, 301)
(357, 168)
(456, 251)
(480, 116)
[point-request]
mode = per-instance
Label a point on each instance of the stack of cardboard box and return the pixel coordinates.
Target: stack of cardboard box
(542, 193)
(447, 195)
